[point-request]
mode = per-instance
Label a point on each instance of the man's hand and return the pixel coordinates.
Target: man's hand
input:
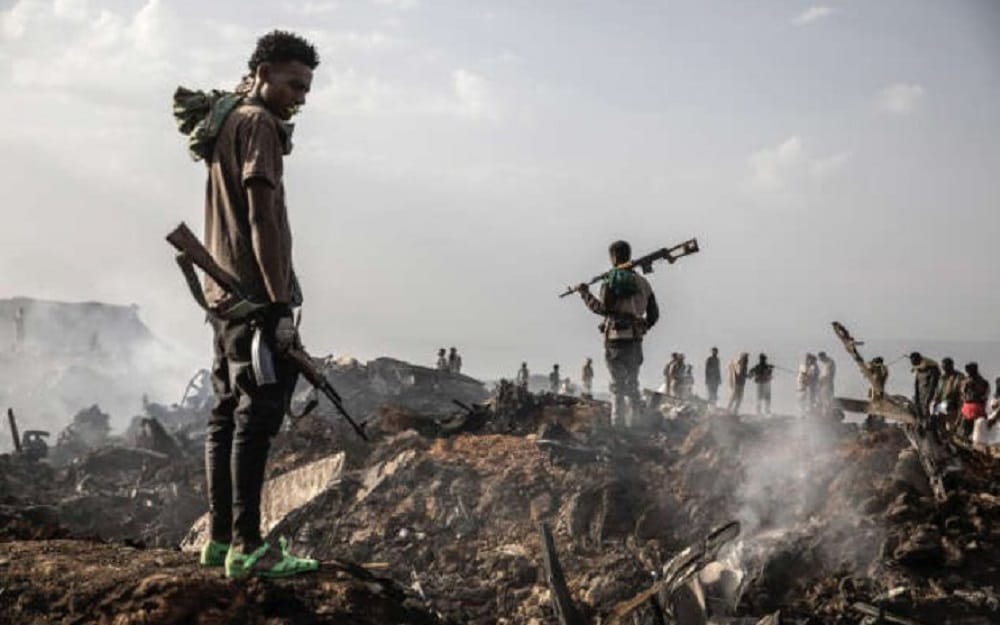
(583, 287)
(286, 335)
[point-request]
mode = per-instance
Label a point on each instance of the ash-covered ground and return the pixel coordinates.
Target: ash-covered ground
(440, 518)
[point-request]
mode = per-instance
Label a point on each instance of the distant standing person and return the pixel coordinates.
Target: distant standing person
(879, 376)
(19, 327)
(926, 375)
(737, 373)
(587, 376)
(975, 393)
(554, 379)
(948, 399)
(687, 382)
(807, 379)
(522, 376)
(628, 305)
(826, 372)
(442, 361)
(713, 376)
(762, 374)
(454, 361)
(995, 403)
(673, 373)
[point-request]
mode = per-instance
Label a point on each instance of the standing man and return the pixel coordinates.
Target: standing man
(454, 361)
(926, 375)
(442, 361)
(687, 382)
(826, 372)
(879, 373)
(995, 403)
(975, 393)
(588, 378)
(807, 379)
(248, 234)
(19, 327)
(554, 379)
(522, 376)
(737, 374)
(713, 376)
(627, 303)
(948, 399)
(762, 374)
(672, 374)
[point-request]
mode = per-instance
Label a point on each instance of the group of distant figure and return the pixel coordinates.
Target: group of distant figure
(815, 381)
(940, 391)
(449, 360)
(944, 392)
(558, 384)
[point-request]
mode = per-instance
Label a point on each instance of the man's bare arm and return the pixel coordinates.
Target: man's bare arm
(266, 235)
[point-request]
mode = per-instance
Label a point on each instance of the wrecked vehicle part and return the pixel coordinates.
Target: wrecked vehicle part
(566, 611)
(926, 437)
(680, 569)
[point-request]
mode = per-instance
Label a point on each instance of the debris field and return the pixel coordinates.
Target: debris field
(512, 507)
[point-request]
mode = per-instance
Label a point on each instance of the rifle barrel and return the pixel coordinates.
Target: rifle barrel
(670, 254)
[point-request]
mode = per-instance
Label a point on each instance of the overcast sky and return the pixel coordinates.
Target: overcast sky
(458, 163)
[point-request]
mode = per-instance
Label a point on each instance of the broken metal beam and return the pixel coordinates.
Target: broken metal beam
(881, 615)
(924, 437)
(13, 430)
(562, 602)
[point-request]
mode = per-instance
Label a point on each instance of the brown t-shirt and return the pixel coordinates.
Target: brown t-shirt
(250, 145)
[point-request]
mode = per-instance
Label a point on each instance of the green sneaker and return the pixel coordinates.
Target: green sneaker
(267, 562)
(213, 554)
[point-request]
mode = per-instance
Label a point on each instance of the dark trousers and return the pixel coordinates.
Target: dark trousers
(245, 418)
(624, 357)
(713, 391)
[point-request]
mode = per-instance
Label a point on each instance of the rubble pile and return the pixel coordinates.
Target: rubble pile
(367, 388)
(831, 515)
(529, 508)
(113, 492)
(71, 581)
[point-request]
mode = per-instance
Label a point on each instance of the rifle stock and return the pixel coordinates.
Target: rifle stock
(185, 242)
(191, 250)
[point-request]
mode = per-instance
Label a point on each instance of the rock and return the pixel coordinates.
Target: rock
(909, 471)
(922, 547)
(281, 496)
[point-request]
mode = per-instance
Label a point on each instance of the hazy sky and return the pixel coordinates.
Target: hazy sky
(458, 163)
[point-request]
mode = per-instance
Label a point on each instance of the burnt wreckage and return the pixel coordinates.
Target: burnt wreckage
(470, 506)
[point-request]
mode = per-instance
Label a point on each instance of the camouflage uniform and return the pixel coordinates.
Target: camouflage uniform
(626, 320)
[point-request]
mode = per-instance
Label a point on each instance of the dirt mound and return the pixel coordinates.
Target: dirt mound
(63, 581)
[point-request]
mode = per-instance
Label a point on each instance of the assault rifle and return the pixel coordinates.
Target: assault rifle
(669, 254)
(191, 253)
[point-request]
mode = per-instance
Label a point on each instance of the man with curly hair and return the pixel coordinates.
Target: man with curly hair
(248, 234)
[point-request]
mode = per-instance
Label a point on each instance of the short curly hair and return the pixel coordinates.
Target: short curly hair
(280, 46)
(620, 251)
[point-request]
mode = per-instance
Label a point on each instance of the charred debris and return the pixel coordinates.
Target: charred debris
(503, 506)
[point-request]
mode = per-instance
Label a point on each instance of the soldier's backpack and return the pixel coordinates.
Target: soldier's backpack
(622, 283)
(200, 115)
